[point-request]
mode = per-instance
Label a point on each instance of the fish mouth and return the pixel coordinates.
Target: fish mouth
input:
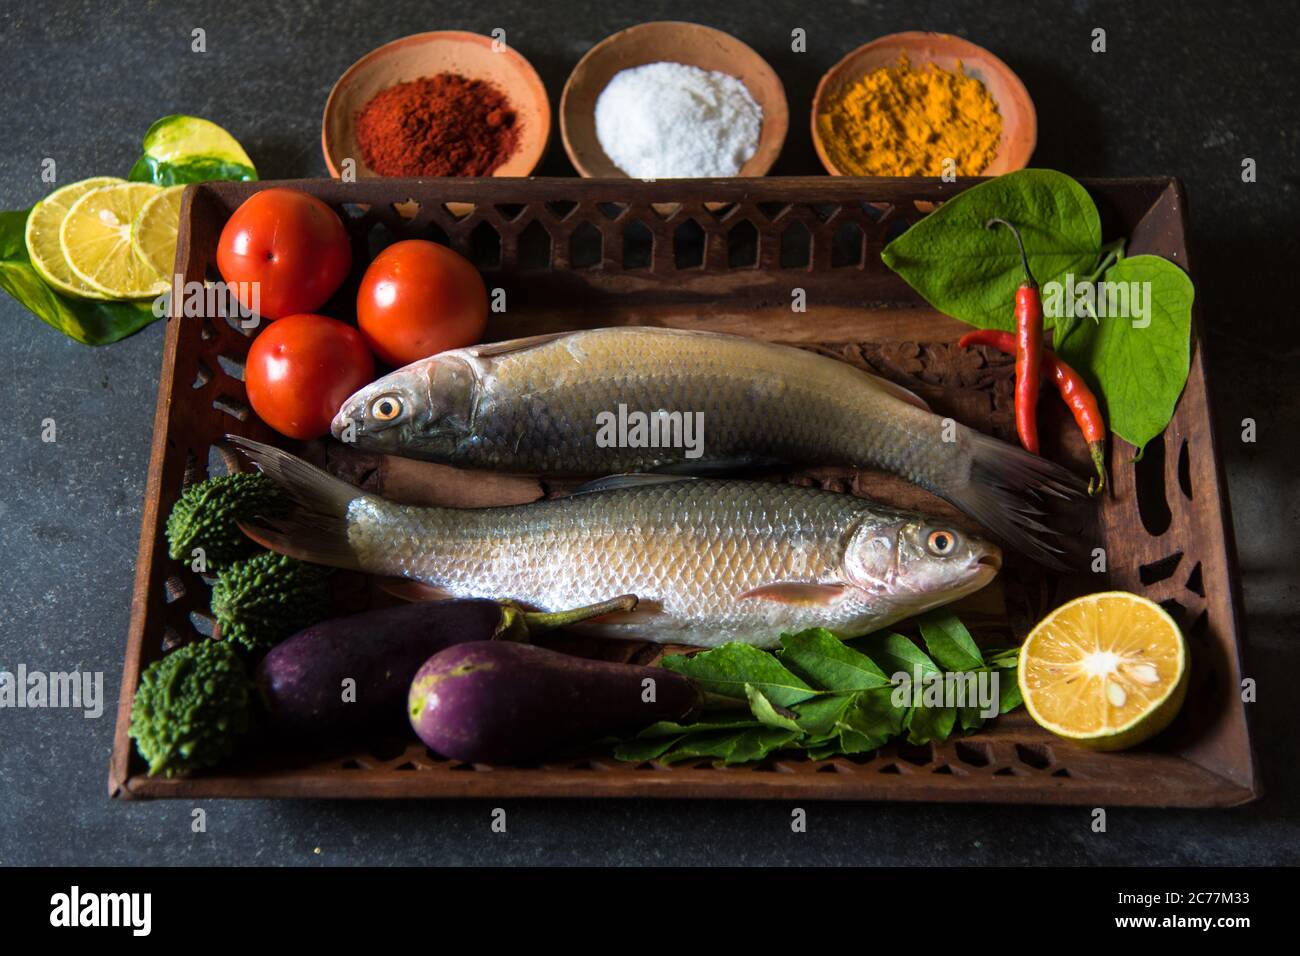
(340, 422)
(993, 561)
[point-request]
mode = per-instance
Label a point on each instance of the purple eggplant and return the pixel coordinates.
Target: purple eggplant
(499, 702)
(301, 680)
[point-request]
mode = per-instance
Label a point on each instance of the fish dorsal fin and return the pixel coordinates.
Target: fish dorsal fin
(494, 349)
(898, 391)
(614, 482)
(797, 592)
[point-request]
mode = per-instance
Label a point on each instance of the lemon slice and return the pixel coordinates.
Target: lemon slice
(96, 240)
(1106, 671)
(153, 234)
(42, 236)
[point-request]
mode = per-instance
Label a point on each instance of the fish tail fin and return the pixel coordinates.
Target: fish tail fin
(1009, 490)
(315, 526)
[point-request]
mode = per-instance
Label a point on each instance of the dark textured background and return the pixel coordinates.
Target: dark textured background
(1185, 88)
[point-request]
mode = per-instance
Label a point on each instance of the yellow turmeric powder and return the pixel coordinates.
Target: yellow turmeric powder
(899, 121)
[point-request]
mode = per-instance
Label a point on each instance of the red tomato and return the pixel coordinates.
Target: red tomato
(419, 298)
(301, 369)
(291, 244)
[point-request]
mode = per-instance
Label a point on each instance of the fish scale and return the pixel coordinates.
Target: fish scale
(536, 406)
(688, 549)
(709, 560)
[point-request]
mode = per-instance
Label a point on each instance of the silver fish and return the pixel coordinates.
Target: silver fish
(542, 406)
(709, 560)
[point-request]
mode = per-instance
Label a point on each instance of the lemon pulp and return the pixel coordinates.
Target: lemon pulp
(42, 236)
(1107, 671)
(96, 240)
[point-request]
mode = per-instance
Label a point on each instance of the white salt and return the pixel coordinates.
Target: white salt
(670, 120)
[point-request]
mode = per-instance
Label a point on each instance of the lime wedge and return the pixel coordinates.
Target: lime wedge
(153, 234)
(96, 240)
(190, 149)
(42, 236)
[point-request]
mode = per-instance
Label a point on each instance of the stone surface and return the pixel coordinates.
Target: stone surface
(1189, 89)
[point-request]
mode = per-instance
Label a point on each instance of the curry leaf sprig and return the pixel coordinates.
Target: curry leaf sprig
(826, 697)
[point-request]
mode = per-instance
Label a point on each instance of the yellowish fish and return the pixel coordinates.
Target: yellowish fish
(709, 560)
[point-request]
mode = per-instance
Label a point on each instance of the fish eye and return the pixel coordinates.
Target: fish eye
(385, 408)
(941, 543)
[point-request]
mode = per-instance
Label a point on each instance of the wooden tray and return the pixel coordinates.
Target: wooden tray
(726, 255)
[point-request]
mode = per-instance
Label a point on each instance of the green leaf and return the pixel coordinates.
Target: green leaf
(819, 716)
(669, 728)
(821, 751)
(970, 272)
(1008, 690)
(731, 746)
(638, 750)
(1139, 372)
(823, 660)
(970, 718)
(896, 653)
(727, 669)
(948, 641)
(89, 321)
(192, 169)
(1002, 657)
(767, 714)
(181, 149)
(925, 724)
(872, 721)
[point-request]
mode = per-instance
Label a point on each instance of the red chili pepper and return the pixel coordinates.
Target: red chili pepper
(1029, 347)
(1073, 389)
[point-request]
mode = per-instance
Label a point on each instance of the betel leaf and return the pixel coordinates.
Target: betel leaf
(970, 272)
(948, 641)
(824, 660)
(727, 669)
(89, 321)
(1138, 365)
(192, 169)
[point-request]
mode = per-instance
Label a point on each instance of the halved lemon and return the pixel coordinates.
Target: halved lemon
(153, 234)
(96, 240)
(42, 236)
(1106, 671)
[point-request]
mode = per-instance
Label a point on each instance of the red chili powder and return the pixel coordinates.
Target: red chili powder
(444, 125)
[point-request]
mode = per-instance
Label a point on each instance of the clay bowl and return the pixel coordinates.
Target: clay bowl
(427, 54)
(1019, 121)
(673, 42)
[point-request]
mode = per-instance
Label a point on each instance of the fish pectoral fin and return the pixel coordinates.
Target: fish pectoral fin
(900, 392)
(414, 591)
(796, 592)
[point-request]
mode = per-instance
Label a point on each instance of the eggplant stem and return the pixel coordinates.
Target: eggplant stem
(545, 620)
